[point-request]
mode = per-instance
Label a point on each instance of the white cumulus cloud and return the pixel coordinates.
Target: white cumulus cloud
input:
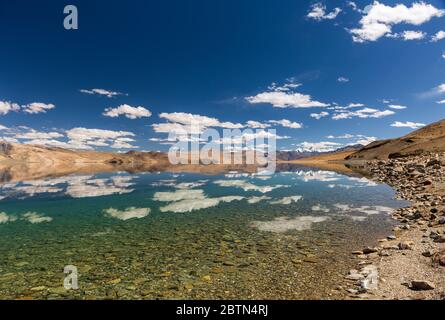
(412, 35)
(363, 114)
(407, 124)
(397, 107)
(355, 139)
(285, 97)
(438, 36)
(31, 108)
(34, 134)
(127, 111)
(318, 12)
(378, 19)
(102, 92)
(257, 125)
(37, 107)
(6, 107)
(85, 138)
(189, 119)
(320, 115)
(183, 125)
(287, 123)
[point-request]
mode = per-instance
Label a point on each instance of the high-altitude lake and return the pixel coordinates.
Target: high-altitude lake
(176, 236)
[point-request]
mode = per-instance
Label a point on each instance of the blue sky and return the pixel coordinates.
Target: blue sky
(228, 61)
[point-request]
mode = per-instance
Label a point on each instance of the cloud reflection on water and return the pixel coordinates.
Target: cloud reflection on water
(74, 186)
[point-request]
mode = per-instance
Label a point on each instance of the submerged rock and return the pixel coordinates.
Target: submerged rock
(369, 250)
(371, 280)
(421, 285)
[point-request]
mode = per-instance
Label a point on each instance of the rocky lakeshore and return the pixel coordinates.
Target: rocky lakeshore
(410, 263)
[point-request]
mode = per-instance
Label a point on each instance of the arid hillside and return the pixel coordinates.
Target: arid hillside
(427, 139)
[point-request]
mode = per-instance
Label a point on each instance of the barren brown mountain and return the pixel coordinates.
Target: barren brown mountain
(27, 162)
(427, 139)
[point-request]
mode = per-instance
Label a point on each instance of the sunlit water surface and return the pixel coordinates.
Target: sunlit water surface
(175, 236)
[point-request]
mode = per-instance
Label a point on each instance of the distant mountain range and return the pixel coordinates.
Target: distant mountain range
(41, 154)
(296, 155)
(430, 138)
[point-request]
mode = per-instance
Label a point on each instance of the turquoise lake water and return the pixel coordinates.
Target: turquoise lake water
(188, 236)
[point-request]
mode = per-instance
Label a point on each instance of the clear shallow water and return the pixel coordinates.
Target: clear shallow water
(174, 236)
